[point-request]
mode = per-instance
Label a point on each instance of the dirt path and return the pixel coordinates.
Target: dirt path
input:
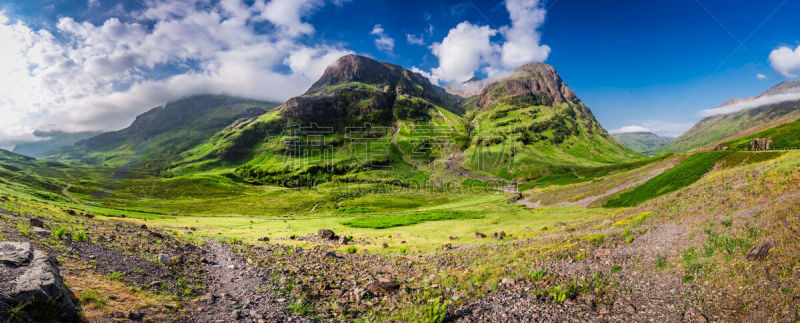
(585, 202)
(64, 191)
(238, 291)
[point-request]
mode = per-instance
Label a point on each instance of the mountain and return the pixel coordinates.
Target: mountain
(783, 136)
(51, 141)
(162, 133)
(643, 142)
(781, 102)
(374, 122)
(531, 124)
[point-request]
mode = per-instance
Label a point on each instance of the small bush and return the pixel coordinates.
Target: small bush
(435, 311)
(538, 275)
(687, 278)
(628, 239)
(91, 296)
(59, 233)
(115, 276)
(79, 236)
(558, 294)
(661, 261)
(351, 249)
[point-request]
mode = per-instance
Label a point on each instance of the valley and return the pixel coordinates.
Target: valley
(379, 196)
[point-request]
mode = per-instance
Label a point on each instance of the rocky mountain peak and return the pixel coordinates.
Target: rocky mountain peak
(356, 68)
(535, 79)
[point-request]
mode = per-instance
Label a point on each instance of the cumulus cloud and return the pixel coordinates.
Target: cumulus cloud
(761, 76)
(630, 129)
(81, 76)
(789, 95)
(468, 48)
(383, 41)
(785, 61)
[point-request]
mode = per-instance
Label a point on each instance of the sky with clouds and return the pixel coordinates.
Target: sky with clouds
(656, 65)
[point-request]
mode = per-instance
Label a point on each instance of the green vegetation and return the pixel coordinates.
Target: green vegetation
(79, 236)
(785, 136)
(680, 176)
(383, 222)
(435, 311)
(719, 127)
(643, 142)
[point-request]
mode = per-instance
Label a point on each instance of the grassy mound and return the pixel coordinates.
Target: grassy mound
(680, 176)
(383, 222)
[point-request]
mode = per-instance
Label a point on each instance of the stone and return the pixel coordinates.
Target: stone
(156, 235)
(499, 235)
(344, 239)
(30, 276)
(164, 259)
(143, 227)
(327, 234)
(37, 222)
(383, 287)
(760, 252)
(263, 239)
(117, 315)
(453, 238)
(135, 315)
(385, 245)
(760, 144)
(15, 253)
(479, 235)
(508, 281)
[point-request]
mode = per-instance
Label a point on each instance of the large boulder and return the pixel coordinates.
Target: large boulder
(28, 276)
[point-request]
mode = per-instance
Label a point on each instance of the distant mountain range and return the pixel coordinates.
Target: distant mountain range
(51, 141)
(363, 116)
(643, 142)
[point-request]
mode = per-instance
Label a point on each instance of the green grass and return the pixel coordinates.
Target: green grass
(680, 176)
(785, 136)
(383, 222)
(354, 210)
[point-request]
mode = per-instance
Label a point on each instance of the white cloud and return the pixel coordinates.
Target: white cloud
(99, 77)
(522, 40)
(383, 42)
(629, 129)
(468, 48)
(415, 40)
(785, 60)
(287, 14)
(789, 95)
(92, 3)
(761, 76)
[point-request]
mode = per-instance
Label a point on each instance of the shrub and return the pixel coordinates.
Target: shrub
(91, 296)
(351, 249)
(538, 275)
(115, 276)
(615, 269)
(558, 294)
(59, 233)
(661, 261)
(79, 236)
(435, 311)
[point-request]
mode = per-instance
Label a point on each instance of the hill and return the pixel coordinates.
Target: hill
(531, 124)
(643, 142)
(785, 136)
(780, 102)
(51, 141)
(162, 133)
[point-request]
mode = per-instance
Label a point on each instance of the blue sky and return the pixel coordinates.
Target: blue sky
(88, 65)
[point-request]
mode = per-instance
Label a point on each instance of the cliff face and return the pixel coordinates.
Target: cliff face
(532, 80)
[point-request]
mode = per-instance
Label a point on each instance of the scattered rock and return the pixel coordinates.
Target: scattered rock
(327, 234)
(385, 245)
(383, 287)
(117, 315)
(447, 247)
(143, 227)
(3, 198)
(164, 259)
(560, 224)
(544, 228)
(499, 235)
(603, 252)
(30, 276)
(760, 252)
(263, 239)
(453, 238)
(41, 231)
(479, 235)
(37, 222)
(331, 254)
(508, 281)
(345, 239)
(156, 235)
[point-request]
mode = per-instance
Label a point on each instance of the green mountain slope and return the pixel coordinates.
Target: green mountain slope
(162, 133)
(531, 124)
(52, 141)
(785, 136)
(643, 142)
(715, 128)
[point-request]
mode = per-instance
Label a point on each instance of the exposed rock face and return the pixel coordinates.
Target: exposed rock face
(30, 276)
(356, 86)
(536, 79)
(760, 144)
